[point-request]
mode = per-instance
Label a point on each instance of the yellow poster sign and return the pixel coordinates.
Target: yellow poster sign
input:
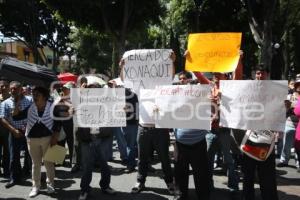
(213, 52)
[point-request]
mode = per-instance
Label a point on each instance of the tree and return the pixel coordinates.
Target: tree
(272, 22)
(286, 21)
(115, 18)
(32, 23)
(93, 50)
(186, 16)
(56, 38)
(261, 18)
(23, 20)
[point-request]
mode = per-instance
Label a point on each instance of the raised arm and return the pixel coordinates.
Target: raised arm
(173, 58)
(121, 65)
(201, 78)
(238, 73)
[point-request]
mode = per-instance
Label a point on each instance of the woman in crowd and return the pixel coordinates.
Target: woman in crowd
(290, 125)
(41, 132)
(297, 138)
(66, 121)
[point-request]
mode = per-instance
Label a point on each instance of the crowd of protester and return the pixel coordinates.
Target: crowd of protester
(27, 128)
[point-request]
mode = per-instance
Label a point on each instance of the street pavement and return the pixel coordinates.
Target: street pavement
(68, 185)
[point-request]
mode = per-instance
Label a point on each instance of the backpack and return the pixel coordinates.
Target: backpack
(258, 144)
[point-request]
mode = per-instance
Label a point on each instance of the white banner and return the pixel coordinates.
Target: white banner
(183, 106)
(253, 105)
(147, 68)
(147, 106)
(99, 107)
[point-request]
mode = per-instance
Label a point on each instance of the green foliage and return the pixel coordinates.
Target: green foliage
(92, 49)
(114, 18)
(33, 23)
(187, 16)
(107, 15)
(24, 20)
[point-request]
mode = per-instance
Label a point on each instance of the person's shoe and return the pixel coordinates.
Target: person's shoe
(83, 195)
(138, 188)
(171, 188)
(109, 191)
(10, 184)
(6, 174)
(26, 172)
(281, 164)
(179, 197)
(129, 170)
(34, 191)
(151, 169)
(235, 195)
(75, 168)
(67, 164)
(50, 188)
(124, 162)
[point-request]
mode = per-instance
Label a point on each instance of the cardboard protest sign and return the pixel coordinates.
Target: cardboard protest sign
(147, 106)
(183, 106)
(145, 69)
(213, 52)
(253, 105)
(99, 107)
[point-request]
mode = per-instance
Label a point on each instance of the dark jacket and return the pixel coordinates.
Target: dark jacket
(84, 135)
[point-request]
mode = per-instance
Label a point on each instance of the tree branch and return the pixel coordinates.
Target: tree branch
(254, 25)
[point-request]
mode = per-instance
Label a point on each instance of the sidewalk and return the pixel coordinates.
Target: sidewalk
(67, 185)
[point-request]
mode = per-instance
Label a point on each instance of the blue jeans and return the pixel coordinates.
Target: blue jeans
(91, 152)
(288, 142)
(122, 144)
(15, 147)
(4, 156)
(222, 137)
(130, 134)
(106, 147)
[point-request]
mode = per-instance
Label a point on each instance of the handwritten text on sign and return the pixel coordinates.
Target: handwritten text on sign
(183, 106)
(99, 107)
(213, 52)
(147, 68)
(253, 105)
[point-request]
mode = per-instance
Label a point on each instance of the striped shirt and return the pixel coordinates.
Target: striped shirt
(8, 106)
(33, 118)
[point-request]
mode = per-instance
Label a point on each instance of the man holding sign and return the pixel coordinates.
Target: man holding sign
(219, 135)
(144, 69)
(266, 170)
(191, 150)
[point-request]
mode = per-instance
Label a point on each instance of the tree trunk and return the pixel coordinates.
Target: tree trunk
(54, 60)
(286, 56)
(260, 14)
(35, 53)
(114, 59)
(266, 48)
